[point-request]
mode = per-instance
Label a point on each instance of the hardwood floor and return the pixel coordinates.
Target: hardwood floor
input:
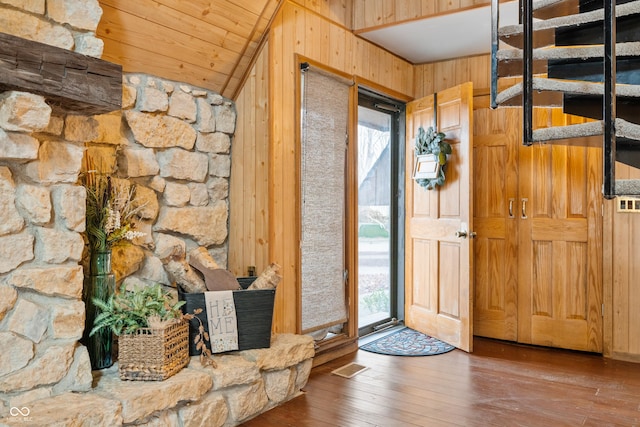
(500, 384)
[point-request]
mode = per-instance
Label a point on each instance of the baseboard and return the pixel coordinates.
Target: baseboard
(626, 357)
(328, 354)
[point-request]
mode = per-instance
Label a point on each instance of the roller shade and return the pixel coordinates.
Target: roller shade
(324, 122)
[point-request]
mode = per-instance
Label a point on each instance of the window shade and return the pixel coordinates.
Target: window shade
(325, 118)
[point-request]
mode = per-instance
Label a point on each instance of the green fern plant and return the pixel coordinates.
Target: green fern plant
(127, 311)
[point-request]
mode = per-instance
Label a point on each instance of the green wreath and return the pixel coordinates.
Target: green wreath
(432, 142)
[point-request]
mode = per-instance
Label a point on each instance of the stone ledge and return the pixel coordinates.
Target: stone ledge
(68, 409)
(244, 384)
(140, 399)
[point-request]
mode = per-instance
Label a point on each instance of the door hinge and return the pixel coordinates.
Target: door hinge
(602, 312)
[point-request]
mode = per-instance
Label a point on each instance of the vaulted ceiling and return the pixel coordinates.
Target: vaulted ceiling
(211, 43)
(208, 43)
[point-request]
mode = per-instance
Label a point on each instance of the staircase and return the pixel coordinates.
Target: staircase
(583, 56)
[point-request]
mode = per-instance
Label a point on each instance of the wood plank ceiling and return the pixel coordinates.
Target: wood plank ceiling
(206, 43)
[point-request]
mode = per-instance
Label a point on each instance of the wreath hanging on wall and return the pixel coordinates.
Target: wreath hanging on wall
(431, 153)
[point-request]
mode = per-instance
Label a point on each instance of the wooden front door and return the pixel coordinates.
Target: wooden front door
(438, 263)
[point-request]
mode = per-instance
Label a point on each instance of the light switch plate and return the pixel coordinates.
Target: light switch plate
(628, 204)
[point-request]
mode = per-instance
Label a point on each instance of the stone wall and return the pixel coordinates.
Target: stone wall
(42, 219)
(68, 24)
(171, 140)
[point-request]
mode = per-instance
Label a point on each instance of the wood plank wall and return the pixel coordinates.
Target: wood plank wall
(437, 76)
(337, 11)
(622, 277)
(300, 31)
(379, 13)
(248, 194)
(317, 31)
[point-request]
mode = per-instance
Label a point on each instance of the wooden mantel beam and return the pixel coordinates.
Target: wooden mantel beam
(69, 81)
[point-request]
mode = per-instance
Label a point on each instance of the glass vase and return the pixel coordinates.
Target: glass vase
(98, 284)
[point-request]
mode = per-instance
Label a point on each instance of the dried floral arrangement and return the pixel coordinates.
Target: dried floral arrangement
(206, 358)
(111, 211)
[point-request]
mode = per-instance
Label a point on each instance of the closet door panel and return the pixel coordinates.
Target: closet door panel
(560, 247)
(495, 153)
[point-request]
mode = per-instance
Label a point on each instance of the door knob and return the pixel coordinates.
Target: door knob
(464, 234)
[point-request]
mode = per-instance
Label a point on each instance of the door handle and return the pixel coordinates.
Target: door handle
(524, 207)
(464, 234)
(511, 201)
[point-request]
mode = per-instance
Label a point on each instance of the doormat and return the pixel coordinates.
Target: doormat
(407, 342)
(350, 370)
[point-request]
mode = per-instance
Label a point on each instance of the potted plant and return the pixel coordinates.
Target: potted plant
(153, 336)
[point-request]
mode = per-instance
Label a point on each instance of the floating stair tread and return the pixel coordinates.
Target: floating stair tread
(581, 130)
(567, 86)
(586, 52)
(571, 20)
(627, 129)
(545, 9)
(624, 129)
(541, 4)
(627, 187)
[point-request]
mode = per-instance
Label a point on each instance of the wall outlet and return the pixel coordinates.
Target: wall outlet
(628, 204)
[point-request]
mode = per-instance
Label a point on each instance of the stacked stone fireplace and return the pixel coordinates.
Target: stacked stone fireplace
(170, 139)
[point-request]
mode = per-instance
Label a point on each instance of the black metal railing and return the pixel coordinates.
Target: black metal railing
(526, 17)
(609, 101)
(495, 41)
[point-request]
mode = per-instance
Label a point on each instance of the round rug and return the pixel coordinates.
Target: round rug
(407, 342)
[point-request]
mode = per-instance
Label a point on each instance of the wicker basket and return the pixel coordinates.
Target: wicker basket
(153, 354)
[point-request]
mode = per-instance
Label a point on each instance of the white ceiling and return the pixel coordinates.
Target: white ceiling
(443, 37)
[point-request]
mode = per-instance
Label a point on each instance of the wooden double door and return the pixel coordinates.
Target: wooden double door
(538, 218)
